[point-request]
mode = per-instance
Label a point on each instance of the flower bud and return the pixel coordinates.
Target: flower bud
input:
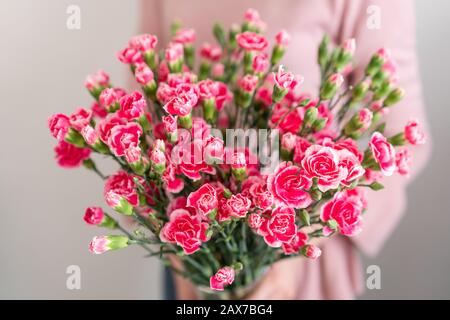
(393, 97)
(118, 203)
(349, 46)
(332, 224)
(185, 121)
(252, 21)
(254, 221)
(375, 64)
(311, 251)
(175, 26)
(376, 186)
(282, 41)
(159, 144)
(237, 266)
(158, 161)
(189, 55)
(323, 54)
(288, 141)
(360, 91)
(305, 218)
(398, 139)
(186, 37)
(174, 57)
(89, 164)
(96, 216)
(96, 82)
(360, 122)
(331, 86)
(75, 138)
(382, 90)
(414, 133)
(205, 69)
(234, 30)
(247, 86)
(319, 124)
(238, 166)
(102, 244)
(248, 61)
(345, 54)
(219, 34)
(138, 164)
(284, 81)
(144, 76)
(209, 110)
(316, 194)
(213, 150)
(310, 116)
(209, 233)
(150, 59)
(170, 125)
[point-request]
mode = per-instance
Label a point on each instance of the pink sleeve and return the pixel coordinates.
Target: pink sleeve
(152, 18)
(397, 32)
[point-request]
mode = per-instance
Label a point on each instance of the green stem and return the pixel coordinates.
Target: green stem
(196, 266)
(211, 257)
(129, 235)
(244, 255)
(99, 173)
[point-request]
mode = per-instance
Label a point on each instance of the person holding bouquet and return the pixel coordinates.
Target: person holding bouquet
(373, 24)
(231, 220)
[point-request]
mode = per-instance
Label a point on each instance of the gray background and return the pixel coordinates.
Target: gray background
(42, 69)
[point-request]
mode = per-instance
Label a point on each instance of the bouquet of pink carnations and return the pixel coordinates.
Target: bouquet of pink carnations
(223, 165)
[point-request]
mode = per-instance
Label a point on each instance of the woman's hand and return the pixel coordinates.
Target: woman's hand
(184, 289)
(280, 282)
(283, 279)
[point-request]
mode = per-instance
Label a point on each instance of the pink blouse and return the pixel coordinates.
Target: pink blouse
(337, 274)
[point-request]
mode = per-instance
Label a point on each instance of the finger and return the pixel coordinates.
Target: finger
(263, 289)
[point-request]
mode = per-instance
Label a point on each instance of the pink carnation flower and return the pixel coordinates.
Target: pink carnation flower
(324, 163)
(132, 106)
(295, 244)
(346, 211)
(120, 186)
(203, 200)
(124, 140)
(383, 153)
(414, 133)
(59, 125)
(252, 41)
(280, 227)
(289, 186)
(185, 230)
(69, 156)
(80, 118)
(224, 276)
(94, 215)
